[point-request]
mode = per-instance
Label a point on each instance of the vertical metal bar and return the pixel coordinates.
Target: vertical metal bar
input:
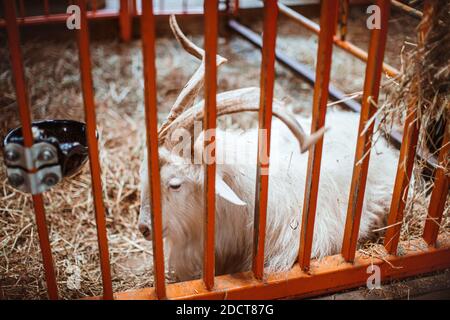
(209, 126)
(184, 6)
(372, 81)
(267, 81)
(343, 19)
(151, 122)
(46, 7)
(439, 194)
(22, 9)
(89, 111)
(25, 118)
(94, 5)
(408, 147)
(328, 21)
(236, 8)
(41, 223)
(134, 8)
(125, 20)
(345, 45)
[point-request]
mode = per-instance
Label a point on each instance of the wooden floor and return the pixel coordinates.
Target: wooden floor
(435, 286)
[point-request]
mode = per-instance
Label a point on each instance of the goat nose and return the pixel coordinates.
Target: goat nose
(145, 230)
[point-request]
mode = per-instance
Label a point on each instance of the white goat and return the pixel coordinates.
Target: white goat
(182, 184)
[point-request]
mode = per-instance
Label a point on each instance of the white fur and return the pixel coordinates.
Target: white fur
(183, 208)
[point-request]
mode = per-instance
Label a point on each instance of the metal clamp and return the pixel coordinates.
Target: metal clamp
(39, 155)
(34, 183)
(41, 159)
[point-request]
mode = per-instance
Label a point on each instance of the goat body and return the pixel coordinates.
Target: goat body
(234, 224)
(182, 186)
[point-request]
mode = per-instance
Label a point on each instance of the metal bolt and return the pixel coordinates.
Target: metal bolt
(16, 180)
(46, 155)
(12, 155)
(50, 179)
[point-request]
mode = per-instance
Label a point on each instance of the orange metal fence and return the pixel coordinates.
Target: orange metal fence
(148, 47)
(89, 111)
(211, 26)
(308, 277)
(125, 10)
(265, 120)
(328, 20)
(25, 117)
(364, 143)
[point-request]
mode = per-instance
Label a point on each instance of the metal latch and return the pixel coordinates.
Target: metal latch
(33, 170)
(60, 150)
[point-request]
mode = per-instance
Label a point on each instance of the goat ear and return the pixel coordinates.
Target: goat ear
(224, 191)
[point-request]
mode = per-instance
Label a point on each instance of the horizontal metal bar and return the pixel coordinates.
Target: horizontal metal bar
(395, 137)
(62, 17)
(331, 274)
(409, 10)
(304, 71)
(345, 45)
(95, 15)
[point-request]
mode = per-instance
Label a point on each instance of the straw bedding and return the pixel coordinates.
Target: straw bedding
(424, 83)
(53, 78)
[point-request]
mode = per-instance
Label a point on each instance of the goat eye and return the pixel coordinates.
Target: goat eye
(175, 183)
(175, 186)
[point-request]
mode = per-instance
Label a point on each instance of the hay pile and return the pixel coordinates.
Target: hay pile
(54, 89)
(69, 207)
(52, 69)
(424, 83)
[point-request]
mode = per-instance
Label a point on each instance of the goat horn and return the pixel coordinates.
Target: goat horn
(187, 44)
(192, 88)
(243, 100)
